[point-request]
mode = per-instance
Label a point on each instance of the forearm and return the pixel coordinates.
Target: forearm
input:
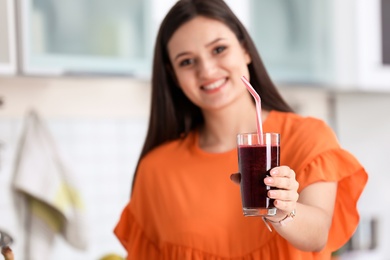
(314, 212)
(309, 229)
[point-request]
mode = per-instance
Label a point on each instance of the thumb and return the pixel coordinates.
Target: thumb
(236, 177)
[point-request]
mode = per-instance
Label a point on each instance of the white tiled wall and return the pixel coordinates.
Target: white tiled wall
(363, 127)
(98, 125)
(8, 137)
(102, 154)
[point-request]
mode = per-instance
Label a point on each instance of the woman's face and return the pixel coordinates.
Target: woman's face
(209, 61)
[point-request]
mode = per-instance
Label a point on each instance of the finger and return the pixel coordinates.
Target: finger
(285, 195)
(285, 206)
(283, 180)
(283, 171)
(236, 178)
(282, 183)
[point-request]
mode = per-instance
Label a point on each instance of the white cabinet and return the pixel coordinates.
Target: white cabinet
(333, 43)
(363, 126)
(82, 36)
(7, 37)
(328, 43)
(91, 37)
(372, 72)
(293, 38)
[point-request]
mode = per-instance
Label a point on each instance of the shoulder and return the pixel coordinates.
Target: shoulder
(304, 134)
(296, 121)
(168, 152)
(304, 126)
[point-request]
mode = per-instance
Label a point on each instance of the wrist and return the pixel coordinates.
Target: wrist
(282, 222)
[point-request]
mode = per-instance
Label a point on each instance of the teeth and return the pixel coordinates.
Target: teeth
(214, 85)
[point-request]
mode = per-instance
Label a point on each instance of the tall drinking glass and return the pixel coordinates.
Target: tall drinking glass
(257, 155)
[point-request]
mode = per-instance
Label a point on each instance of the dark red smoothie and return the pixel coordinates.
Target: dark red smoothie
(255, 162)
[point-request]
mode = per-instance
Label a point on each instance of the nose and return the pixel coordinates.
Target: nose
(206, 67)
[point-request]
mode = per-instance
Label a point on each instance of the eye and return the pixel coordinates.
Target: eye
(219, 49)
(186, 62)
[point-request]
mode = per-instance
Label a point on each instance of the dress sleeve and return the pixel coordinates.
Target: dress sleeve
(340, 166)
(133, 238)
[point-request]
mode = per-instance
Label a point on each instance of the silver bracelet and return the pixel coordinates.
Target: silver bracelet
(283, 222)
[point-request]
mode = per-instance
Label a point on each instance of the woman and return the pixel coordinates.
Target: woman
(183, 204)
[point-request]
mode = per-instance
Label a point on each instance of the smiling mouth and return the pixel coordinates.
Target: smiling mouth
(214, 85)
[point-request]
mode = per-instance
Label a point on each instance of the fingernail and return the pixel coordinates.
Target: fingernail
(272, 193)
(274, 172)
(268, 180)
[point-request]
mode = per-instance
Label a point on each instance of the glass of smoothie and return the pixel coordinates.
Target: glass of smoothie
(257, 155)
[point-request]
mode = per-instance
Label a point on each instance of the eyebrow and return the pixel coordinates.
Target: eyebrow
(207, 45)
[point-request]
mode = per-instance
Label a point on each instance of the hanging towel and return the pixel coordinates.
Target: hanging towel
(48, 190)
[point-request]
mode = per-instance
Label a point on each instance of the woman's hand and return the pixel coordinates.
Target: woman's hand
(310, 228)
(286, 195)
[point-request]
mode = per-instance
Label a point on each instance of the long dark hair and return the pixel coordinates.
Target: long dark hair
(172, 114)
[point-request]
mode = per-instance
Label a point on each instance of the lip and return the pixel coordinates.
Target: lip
(214, 86)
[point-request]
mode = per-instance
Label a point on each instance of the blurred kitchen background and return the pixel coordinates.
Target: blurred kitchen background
(82, 68)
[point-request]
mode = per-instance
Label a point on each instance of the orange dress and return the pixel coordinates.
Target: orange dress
(184, 205)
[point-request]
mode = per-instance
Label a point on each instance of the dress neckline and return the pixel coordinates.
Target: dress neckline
(194, 136)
